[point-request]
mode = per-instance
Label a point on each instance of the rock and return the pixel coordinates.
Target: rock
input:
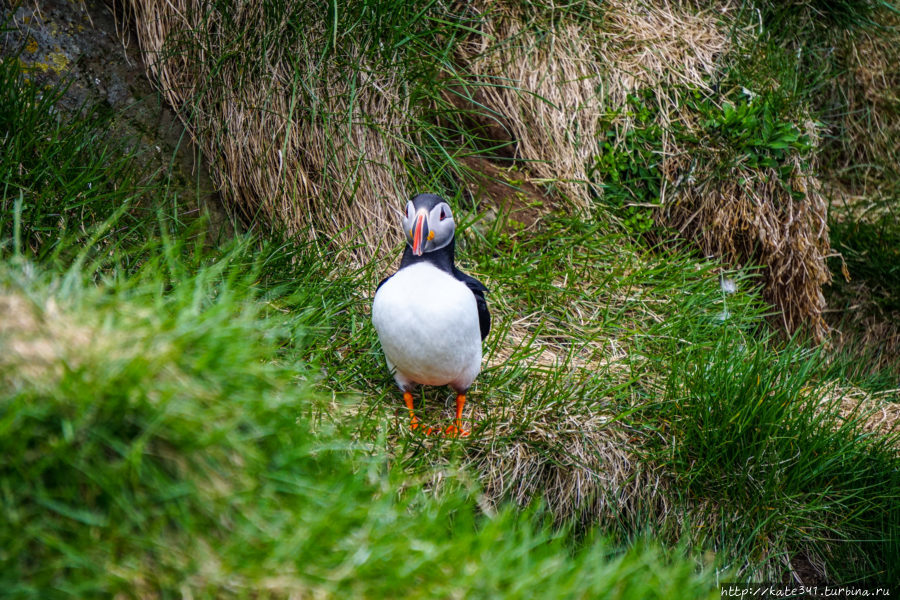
(87, 46)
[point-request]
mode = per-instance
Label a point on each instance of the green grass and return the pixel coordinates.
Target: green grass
(167, 428)
(728, 135)
(173, 437)
(751, 427)
(818, 16)
(804, 51)
(177, 419)
(62, 175)
(744, 424)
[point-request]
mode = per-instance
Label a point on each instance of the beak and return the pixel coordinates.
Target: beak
(420, 232)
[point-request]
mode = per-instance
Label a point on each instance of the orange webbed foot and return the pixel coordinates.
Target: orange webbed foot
(456, 431)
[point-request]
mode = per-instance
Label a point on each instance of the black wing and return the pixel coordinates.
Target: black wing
(478, 288)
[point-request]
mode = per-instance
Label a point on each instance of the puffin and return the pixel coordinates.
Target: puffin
(431, 318)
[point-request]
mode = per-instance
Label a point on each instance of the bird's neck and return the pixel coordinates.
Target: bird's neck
(442, 258)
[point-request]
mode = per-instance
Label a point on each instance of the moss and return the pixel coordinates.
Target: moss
(742, 131)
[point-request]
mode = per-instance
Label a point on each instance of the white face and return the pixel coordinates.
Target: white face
(428, 230)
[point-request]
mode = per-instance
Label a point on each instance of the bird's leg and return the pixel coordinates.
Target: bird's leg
(408, 400)
(456, 429)
(413, 421)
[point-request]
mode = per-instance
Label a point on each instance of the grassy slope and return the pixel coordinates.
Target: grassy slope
(744, 425)
(159, 432)
(836, 57)
(162, 431)
(219, 455)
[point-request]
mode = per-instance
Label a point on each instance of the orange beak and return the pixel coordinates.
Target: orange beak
(420, 233)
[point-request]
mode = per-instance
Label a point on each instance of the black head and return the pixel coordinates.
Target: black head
(428, 224)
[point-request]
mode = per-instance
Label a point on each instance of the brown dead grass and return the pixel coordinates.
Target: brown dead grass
(750, 217)
(326, 151)
(868, 92)
(39, 341)
(553, 86)
(877, 414)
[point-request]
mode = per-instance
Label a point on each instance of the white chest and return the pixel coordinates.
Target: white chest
(427, 323)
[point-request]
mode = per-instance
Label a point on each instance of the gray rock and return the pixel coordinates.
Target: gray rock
(87, 46)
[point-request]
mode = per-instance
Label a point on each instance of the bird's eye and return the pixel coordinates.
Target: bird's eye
(409, 209)
(443, 214)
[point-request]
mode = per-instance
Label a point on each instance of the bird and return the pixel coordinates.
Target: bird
(430, 317)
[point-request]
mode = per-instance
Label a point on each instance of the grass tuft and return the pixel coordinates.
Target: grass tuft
(61, 176)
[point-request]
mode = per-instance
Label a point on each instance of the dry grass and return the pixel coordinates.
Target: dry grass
(552, 86)
(868, 94)
(302, 140)
(39, 341)
(578, 457)
(876, 413)
(294, 140)
(271, 159)
(750, 217)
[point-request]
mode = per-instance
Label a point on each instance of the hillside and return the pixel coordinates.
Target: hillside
(684, 213)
